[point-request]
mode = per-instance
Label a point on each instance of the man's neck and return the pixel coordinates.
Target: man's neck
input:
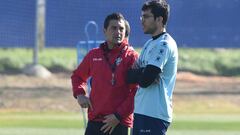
(111, 45)
(158, 31)
(157, 36)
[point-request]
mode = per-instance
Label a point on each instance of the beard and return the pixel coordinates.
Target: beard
(150, 30)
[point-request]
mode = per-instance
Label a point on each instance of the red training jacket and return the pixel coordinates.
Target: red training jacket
(105, 97)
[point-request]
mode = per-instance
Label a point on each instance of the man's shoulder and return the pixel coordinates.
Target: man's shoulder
(95, 50)
(166, 41)
(167, 38)
(131, 51)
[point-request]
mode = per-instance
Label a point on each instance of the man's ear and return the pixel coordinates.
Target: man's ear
(160, 19)
(104, 31)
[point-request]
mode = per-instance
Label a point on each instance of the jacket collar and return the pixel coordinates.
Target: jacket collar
(116, 49)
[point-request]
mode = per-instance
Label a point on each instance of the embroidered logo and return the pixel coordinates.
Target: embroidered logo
(145, 131)
(118, 61)
(97, 59)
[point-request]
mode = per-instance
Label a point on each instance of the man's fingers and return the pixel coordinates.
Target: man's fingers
(111, 130)
(103, 127)
(84, 102)
(105, 121)
(107, 129)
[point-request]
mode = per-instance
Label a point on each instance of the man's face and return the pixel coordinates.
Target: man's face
(115, 31)
(148, 22)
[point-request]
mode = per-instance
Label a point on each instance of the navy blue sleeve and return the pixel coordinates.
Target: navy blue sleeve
(143, 76)
(148, 76)
(133, 75)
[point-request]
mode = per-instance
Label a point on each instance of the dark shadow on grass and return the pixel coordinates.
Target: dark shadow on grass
(224, 70)
(11, 71)
(205, 73)
(59, 69)
(7, 67)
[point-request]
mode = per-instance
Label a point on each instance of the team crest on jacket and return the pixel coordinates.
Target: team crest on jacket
(118, 61)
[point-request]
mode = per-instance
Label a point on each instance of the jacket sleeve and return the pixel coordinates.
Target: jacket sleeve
(79, 77)
(126, 108)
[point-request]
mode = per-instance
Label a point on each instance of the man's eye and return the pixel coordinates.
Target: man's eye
(114, 28)
(121, 29)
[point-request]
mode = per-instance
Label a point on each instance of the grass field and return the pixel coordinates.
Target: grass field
(201, 61)
(191, 118)
(72, 124)
(62, 131)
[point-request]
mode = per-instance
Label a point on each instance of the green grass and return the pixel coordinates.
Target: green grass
(207, 122)
(206, 106)
(13, 60)
(41, 120)
(43, 131)
(40, 131)
(201, 61)
(20, 123)
(210, 61)
(202, 132)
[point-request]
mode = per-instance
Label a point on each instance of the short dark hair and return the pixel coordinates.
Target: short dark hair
(113, 16)
(158, 8)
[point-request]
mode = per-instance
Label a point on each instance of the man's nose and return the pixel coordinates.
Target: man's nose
(118, 30)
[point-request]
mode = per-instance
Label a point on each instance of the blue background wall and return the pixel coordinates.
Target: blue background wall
(195, 23)
(17, 23)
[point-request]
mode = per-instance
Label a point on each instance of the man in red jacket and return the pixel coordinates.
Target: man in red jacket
(111, 100)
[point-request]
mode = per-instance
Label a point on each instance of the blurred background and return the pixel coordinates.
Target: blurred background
(205, 23)
(43, 41)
